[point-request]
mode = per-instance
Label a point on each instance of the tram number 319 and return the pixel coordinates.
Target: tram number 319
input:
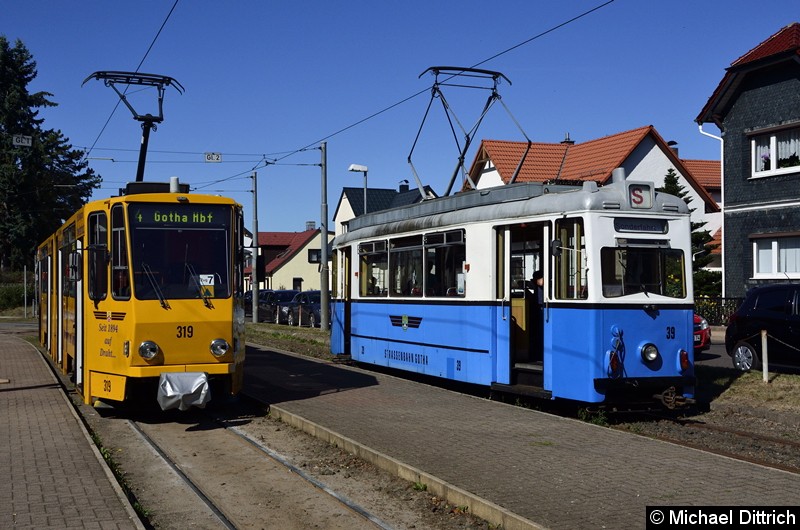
(185, 332)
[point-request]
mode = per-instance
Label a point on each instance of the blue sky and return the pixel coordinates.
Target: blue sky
(265, 79)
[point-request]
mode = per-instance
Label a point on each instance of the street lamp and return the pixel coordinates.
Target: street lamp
(362, 169)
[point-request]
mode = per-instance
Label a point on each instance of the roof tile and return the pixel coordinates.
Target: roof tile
(706, 172)
(787, 39)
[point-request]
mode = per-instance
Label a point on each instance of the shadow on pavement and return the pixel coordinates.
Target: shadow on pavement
(273, 377)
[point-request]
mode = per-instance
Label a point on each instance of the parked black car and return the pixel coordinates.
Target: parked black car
(304, 309)
(776, 309)
(247, 300)
(274, 306)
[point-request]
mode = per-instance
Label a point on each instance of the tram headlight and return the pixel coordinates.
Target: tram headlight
(148, 349)
(219, 347)
(649, 353)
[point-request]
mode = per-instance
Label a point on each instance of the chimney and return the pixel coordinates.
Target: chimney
(674, 146)
(567, 141)
(403, 186)
(311, 225)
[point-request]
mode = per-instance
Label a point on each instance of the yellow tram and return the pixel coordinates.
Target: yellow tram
(142, 291)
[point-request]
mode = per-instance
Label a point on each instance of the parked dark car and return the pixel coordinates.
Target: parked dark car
(247, 300)
(702, 334)
(304, 309)
(774, 308)
(274, 306)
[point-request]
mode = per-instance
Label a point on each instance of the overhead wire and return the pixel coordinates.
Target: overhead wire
(119, 101)
(286, 154)
(427, 89)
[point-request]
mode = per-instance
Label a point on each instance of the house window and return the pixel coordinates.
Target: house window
(776, 153)
(777, 257)
(315, 255)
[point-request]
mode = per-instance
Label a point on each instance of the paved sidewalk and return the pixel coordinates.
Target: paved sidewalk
(546, 470)
(53, 475)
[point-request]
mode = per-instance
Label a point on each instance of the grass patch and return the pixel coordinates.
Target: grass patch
(597, 417)
(313, 342)
(727, 385)
(780, 392)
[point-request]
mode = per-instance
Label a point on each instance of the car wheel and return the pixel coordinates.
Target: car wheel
(744, 357)
(290, 319)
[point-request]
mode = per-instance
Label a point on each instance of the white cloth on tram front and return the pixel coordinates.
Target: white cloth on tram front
(183, 390)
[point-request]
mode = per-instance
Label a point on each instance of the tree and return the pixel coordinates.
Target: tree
(706, 283)
(41, 185)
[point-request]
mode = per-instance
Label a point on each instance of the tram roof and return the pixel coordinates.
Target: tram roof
(504, 202)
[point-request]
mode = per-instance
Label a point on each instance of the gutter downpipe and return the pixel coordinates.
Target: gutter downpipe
(722, 193)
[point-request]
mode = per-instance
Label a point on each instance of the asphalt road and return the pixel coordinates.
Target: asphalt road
(716, 354)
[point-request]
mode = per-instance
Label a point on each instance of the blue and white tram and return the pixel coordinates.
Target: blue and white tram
(445, 288)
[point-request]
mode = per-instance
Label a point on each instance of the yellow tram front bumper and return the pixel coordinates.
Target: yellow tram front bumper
(112, 386)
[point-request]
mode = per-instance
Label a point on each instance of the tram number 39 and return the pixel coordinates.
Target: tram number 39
(185, 332)
(670, 332)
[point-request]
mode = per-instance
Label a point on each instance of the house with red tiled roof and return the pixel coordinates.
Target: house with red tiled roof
(756, 106)
(642, 152)
(291, 259)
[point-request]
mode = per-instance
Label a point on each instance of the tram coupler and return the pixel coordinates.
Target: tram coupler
(671, 399)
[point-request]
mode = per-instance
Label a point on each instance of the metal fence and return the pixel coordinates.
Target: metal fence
(717, 310)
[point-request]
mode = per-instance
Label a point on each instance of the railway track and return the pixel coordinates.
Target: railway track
(214, 475)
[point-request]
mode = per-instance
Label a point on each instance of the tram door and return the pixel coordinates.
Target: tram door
(342, 298)
(69, 272)
(346, 296)
(528, 253)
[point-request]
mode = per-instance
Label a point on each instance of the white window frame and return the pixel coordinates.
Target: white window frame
(756, 161)
(773, 254)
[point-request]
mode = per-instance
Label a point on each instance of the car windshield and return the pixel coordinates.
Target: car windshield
(180, 251)
(632, 270)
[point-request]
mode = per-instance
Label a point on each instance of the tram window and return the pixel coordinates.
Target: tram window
(445, 254)
(183, 254)
(373, 269)
(634, 270)
(334, 274)
(98, 243)
(120, 279)
(571, 265)
(405, 266)
(68, 276)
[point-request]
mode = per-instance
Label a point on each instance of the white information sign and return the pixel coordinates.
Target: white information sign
(22, 141)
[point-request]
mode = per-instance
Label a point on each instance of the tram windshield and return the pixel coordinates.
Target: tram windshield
(632, 270)
(180, 251)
